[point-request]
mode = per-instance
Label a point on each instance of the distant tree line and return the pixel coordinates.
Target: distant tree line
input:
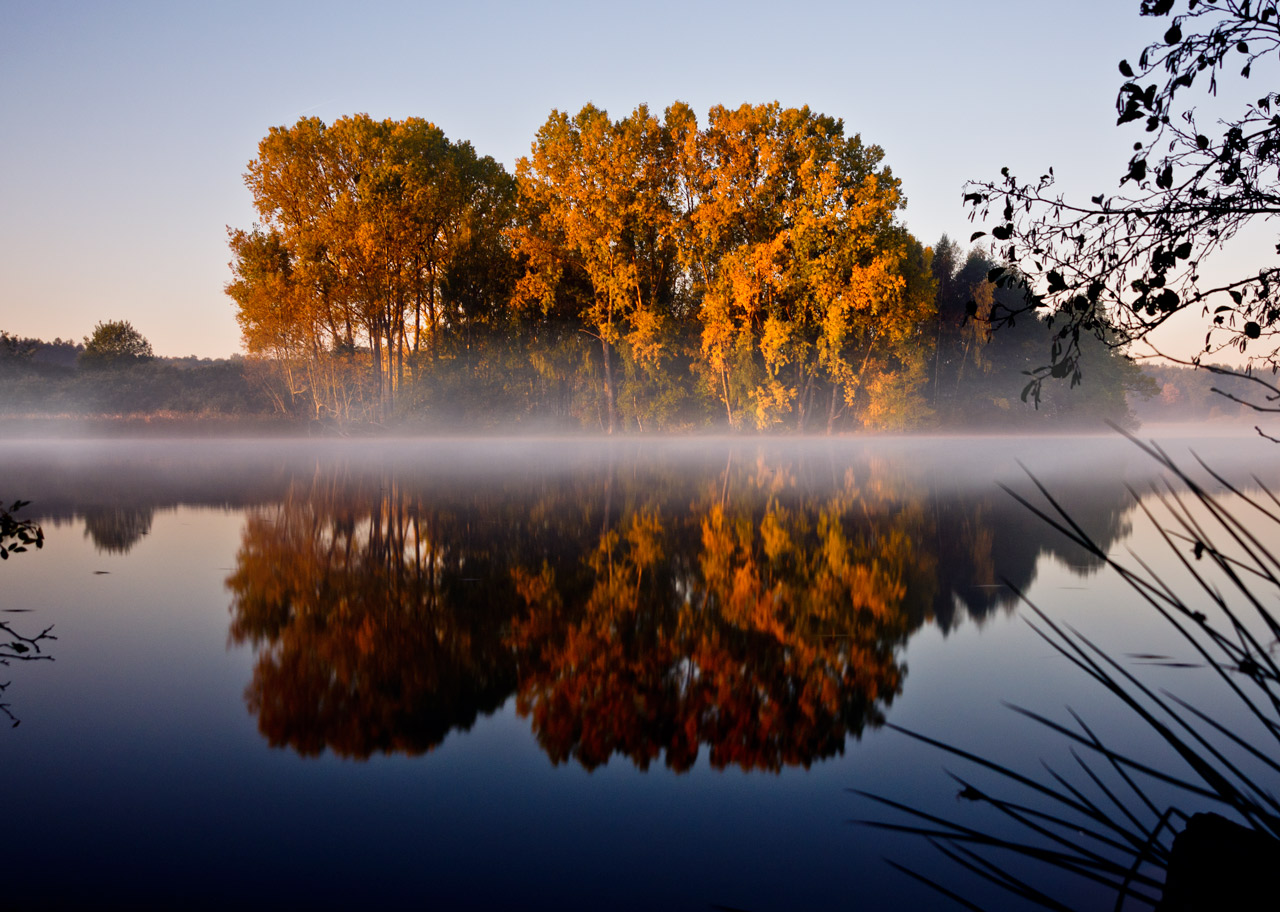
(114, 372)
(1188, 394)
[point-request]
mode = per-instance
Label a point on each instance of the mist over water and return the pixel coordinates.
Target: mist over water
(621, 666)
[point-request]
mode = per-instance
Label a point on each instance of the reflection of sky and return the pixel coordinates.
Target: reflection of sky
(138, 767)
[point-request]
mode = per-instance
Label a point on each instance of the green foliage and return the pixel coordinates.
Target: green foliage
(115, 343)
(982, 375)
(32, 386)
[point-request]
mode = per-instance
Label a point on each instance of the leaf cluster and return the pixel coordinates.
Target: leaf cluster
(17, 534)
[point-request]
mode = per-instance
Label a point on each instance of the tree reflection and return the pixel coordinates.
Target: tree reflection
(368, 637)
(757, 612)
(116, 529)
(763, 631)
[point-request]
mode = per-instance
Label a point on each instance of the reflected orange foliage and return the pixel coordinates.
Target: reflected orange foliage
(770, 647)
(758, 615)
(364, 644)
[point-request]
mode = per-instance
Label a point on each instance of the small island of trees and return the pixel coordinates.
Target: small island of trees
(639, 274)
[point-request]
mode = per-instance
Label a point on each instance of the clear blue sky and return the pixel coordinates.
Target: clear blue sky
(125, 127)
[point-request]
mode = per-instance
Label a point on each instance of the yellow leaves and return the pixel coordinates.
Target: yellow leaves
(647, 339)
(536, 589)
(645, 540)
(597, 186)
(373, 215)
(717, 330)
(775, 344)
(771, 401)
(803, 263)
(775, 537)
(895, 394)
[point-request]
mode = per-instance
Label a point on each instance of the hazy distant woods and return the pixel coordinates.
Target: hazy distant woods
(78, 379)
(639, 274)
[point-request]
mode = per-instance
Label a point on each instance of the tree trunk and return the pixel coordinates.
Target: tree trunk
(804, 402)
(610, 404)
(724, 382)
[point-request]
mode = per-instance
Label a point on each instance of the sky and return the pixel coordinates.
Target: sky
(126, 127)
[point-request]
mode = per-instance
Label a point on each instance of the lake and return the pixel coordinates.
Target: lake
(550, 673)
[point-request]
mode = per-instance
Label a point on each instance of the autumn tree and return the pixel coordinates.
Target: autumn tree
(597, 195)
(280, 323)
(769, 232)
(793, 236)
(361, 223)
(1123, 263)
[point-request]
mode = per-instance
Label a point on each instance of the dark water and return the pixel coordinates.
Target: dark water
(535, 674)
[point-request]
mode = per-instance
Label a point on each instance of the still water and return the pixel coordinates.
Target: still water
(540, 673)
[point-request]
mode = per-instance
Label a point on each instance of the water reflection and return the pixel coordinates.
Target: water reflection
(369, 634)
(765, 631)
(638, 609)
(116, 529)
(16, 646)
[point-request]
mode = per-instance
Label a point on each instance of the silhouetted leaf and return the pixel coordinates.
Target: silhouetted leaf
(1131, 112)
